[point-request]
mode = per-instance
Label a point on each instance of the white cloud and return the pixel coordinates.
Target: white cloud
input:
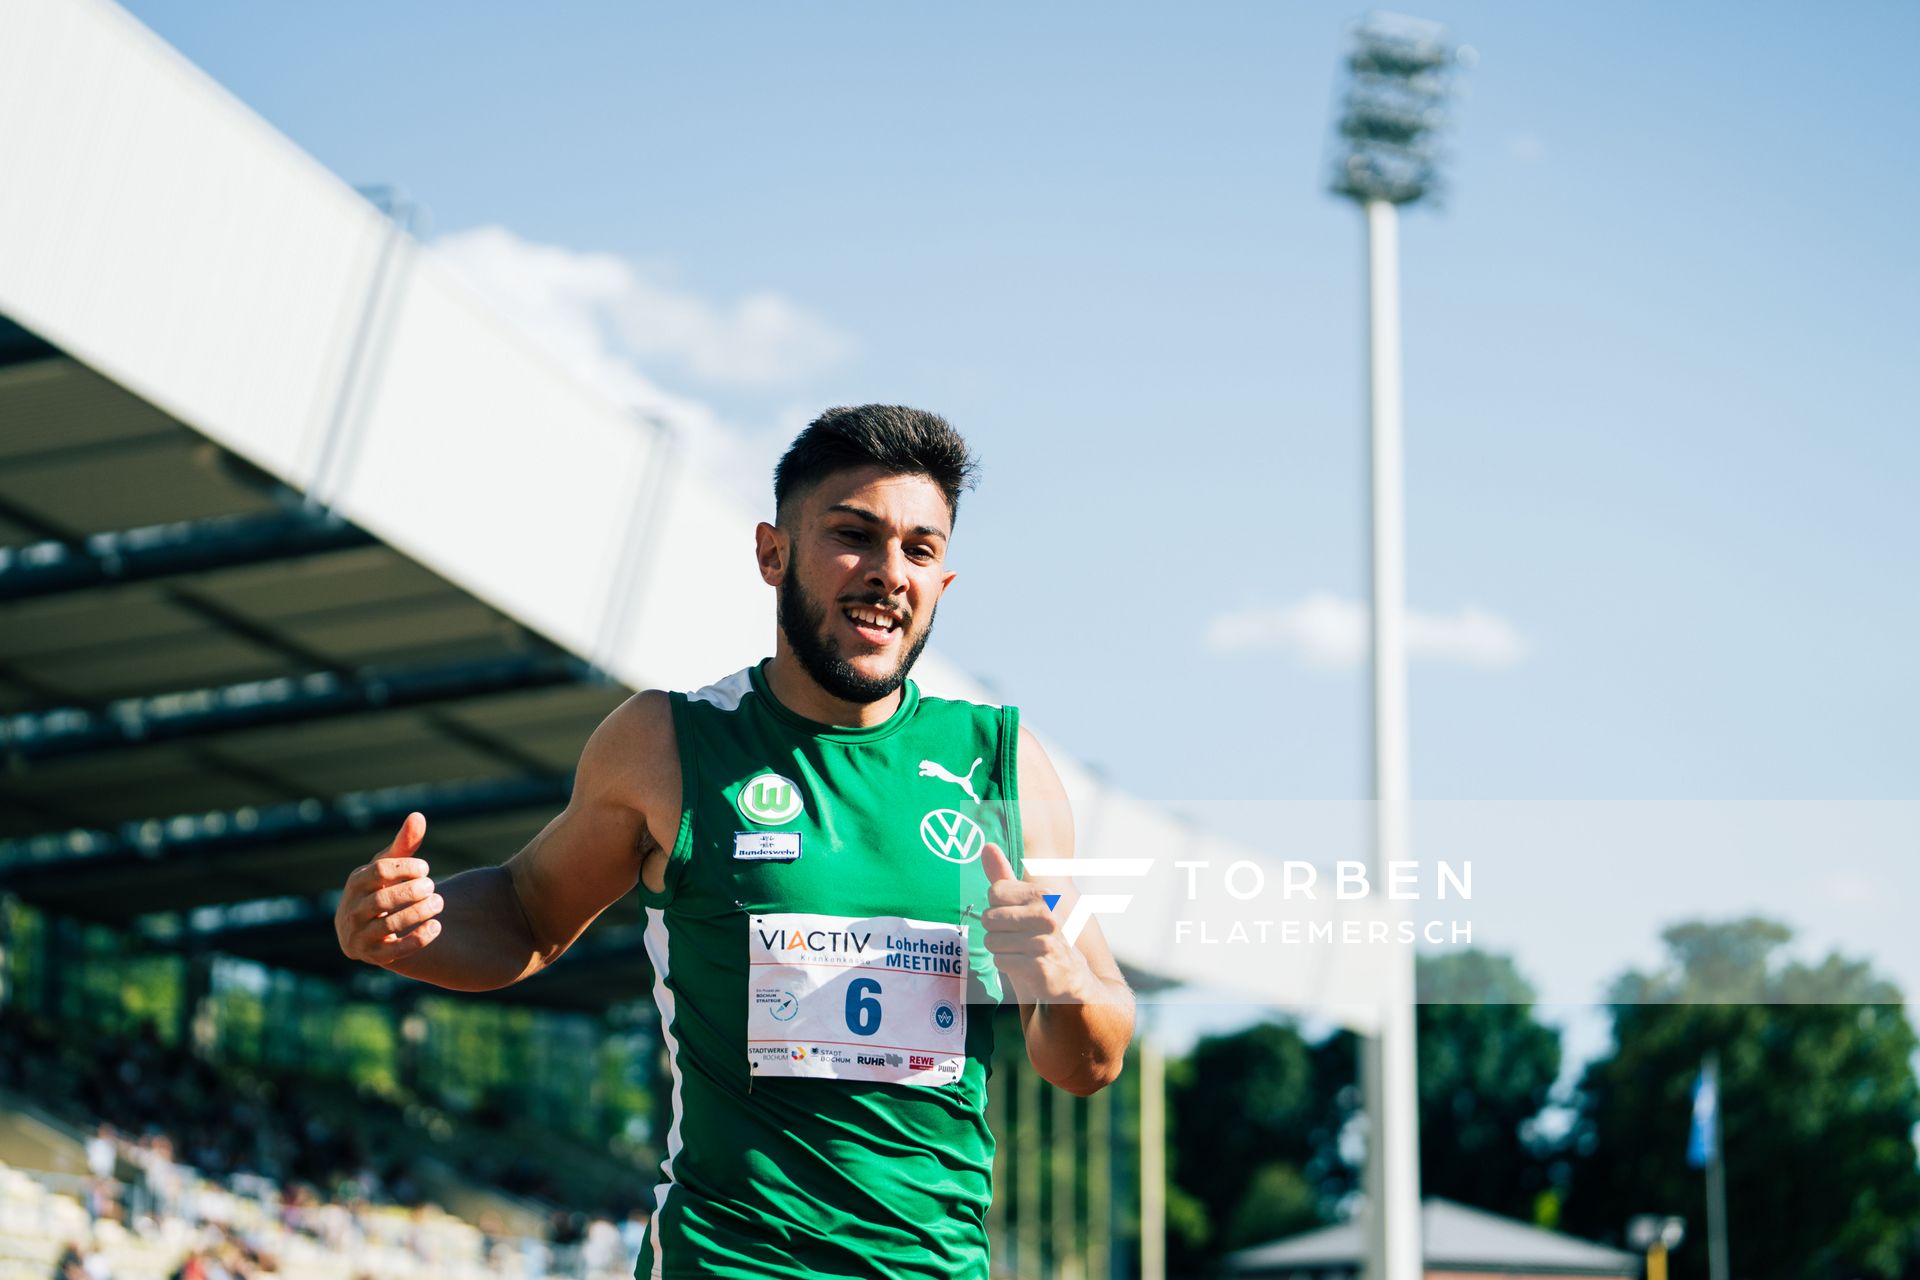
(610, 324)
(1330, 631)
(616, 307)
(556, 298)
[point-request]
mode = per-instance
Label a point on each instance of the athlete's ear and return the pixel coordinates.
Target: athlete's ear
(772, 548)
(946, 579)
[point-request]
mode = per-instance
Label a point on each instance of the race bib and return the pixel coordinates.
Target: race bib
(841, 998)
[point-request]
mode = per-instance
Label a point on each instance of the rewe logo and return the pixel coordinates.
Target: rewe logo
(934, 769)
(770, 798)
(951, 834)
(1087, 906)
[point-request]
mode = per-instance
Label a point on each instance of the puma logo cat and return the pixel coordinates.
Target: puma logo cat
(934, 769)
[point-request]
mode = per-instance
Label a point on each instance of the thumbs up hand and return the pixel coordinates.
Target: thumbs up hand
(994, 861)
(387, 911)
(1026, 936)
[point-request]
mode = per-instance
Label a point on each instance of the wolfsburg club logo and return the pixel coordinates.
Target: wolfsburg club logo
(951, 834)
(770, 798)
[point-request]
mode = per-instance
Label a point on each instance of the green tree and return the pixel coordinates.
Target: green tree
(1486, 1068)
(1818, 1104)
(1255, 1122)
(364, 1049)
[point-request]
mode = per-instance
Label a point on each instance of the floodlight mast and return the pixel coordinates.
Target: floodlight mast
(1399, 75)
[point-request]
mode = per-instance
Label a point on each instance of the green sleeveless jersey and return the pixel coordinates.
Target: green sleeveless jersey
(815, 952)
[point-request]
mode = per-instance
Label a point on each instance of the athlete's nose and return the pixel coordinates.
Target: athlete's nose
(887, 569)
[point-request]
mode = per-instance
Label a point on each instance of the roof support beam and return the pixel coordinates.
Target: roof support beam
(161, 551)
(291, 932)
(320, 695)
(147, 840)
(217, 925)
(242, 927)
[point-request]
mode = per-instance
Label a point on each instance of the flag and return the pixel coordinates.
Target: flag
(1705, 1135)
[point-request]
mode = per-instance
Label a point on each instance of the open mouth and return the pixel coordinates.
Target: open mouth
(875, 626)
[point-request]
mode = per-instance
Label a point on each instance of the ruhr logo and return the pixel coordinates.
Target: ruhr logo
(951, 834)
(769, 798)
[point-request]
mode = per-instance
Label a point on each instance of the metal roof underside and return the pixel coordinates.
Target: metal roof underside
(216, 701)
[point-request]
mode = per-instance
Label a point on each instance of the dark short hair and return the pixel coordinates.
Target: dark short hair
(892, 437)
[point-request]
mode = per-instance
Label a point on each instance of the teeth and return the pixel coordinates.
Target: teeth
(872, 618)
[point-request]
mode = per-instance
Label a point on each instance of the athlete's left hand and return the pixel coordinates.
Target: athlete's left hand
(1027, 939)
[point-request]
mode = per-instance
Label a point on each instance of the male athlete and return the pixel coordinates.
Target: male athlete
(829, 863)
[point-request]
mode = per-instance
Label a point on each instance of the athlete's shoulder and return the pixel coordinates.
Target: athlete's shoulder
(645, 713)
(633, 749)
(1045, 810)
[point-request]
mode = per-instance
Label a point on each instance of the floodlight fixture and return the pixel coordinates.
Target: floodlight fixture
(1646, 1230)
(1400, 79)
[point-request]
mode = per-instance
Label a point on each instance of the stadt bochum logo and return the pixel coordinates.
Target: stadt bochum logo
(769, 799)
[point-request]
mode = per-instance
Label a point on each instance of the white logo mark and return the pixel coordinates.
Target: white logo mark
(1092, 904)
(952, 835)
(934, 769)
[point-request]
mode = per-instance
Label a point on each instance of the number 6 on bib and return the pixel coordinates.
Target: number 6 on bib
(863, 1012)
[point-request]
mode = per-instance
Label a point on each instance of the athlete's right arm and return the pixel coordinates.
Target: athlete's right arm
(493, 926)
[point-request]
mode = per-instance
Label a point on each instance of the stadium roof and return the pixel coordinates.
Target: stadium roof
(215, 700)
(1455, 1238)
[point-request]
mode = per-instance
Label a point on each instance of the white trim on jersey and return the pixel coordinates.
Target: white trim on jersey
(969, 702)
(726, 694)
(656, 938)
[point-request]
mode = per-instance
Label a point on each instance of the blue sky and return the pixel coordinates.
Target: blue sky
(1660, 368)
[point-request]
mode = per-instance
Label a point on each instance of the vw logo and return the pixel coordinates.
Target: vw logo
(951, 834)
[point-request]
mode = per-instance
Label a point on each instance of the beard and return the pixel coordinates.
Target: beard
(803, 620)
